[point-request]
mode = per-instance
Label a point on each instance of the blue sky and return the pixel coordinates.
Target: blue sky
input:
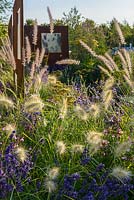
(100, 11)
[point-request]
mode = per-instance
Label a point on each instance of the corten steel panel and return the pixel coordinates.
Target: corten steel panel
(19, 67)
(52, 57)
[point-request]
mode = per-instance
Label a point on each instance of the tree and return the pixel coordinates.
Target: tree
(72, 19)
(5, 6)
(30, 22)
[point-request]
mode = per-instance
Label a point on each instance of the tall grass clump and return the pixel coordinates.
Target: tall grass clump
(67, 141)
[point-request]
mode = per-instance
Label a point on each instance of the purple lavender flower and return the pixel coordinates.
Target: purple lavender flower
(13, 172)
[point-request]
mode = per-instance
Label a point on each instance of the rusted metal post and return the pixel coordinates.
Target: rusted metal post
(18, 45)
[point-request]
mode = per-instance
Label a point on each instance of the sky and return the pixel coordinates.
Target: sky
(101, 11)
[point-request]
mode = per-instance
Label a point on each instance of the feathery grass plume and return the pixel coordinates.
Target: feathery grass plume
(42, 72)
(6, 102)
(60, 147)
(9, 128)
(68, 62)
(128, 59)
(122, 58)
(52, 79)
(21, 154)
(107, 94)
(37, 55)
(2, 55)
(94, 138)
(122, 39)
(77, 148)
(32, 70)
(7, 52)
(88, 48)
(63, 110)
(37, 83)
(107, 98)
(53, 173)
(33, 104)
(106, 62)
(28, 50)
(104, 59)
(35, 32)
(95, 109)
(36, 80)
(111, 61)
(50, 185)
(120, 173)
(42, 53)
(50, 20)
(81, 113)
(108, 84)
(105, 71)
(122, 148)
(130, 83)
(124, 64)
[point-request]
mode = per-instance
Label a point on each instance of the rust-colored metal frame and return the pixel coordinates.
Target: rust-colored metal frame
(52, 57)
(28, 31)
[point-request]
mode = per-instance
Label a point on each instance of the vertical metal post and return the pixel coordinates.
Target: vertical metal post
(18, 45)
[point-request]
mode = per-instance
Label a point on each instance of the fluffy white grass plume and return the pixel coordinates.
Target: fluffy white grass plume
(21, 154)
(42, 53)
(107, 93)
(37, 84)
(126, 64)
(68, 62)
(107, 59)
(33, 104)
(109, 84)
(94, 138)
(88, 48)
(37, 55)
(32, 71)
(63, 110)
(37, 81)
(122, 148)
(122, 39)
(95, 109)
(112, 61)
(77, 148)
(105, 71)
(50, 20)
(106, 62)
(28, 50)
(120, 173)
(35, 32)
(107, 98)
(9, 128)
(6, 52)
(60, 147)
(81, 113)
(53, 173)
(6, 102)
(50, 185)
(129, 81)
(128, 59)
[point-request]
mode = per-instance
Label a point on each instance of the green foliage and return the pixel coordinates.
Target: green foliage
(5, 6)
